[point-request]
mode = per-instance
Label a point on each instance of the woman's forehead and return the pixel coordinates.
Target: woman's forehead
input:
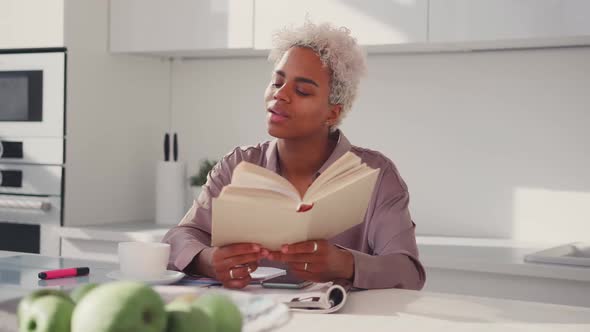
(304, 62)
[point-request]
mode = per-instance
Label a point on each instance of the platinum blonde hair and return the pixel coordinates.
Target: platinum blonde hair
(338, 51)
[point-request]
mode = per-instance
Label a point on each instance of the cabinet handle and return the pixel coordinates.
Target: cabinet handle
(11, 150)
(11, 178)
(25, 205)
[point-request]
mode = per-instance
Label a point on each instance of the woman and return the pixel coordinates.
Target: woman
(315, 80)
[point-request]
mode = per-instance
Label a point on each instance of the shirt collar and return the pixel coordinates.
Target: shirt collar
(342, 146)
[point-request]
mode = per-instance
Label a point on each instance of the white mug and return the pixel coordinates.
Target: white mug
(143, 260)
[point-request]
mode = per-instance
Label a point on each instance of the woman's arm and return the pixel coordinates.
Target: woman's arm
(393, 261)
(190, 241)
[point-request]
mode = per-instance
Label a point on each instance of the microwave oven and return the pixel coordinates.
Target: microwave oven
(32, 93)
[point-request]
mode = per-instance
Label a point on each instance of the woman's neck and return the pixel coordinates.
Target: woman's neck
(304, 157)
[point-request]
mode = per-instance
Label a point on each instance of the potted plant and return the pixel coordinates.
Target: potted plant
(200, 178)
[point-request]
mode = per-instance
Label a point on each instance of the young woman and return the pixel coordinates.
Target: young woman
(314, 82)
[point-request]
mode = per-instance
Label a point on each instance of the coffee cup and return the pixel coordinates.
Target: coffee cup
(143, 260)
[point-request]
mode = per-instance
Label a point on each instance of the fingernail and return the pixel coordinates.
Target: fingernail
(256, 247)
(271, 256)
(284, 249)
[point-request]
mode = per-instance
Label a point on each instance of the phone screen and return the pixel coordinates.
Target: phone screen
(286, 281)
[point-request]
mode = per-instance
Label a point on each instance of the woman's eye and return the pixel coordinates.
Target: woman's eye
(276, 85)
(301, 93)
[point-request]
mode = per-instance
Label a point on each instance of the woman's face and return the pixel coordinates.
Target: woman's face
(297, 98)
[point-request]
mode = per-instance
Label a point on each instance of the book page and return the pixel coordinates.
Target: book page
(348, 161)
(342, 209)
(255, 220)
(231, 193)
(253, 176)
(311, 193)
(339, 182)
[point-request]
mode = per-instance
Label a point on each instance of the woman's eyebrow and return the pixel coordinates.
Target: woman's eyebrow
(298, 79)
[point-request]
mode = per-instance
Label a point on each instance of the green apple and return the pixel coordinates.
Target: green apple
(120, 306)
(224, 313)
(183, 317)
(79, 292)
(25, 304)
(49, 313)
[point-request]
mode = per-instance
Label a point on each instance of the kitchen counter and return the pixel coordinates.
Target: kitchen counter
(499, 256)
(493, 256)
(120, 232)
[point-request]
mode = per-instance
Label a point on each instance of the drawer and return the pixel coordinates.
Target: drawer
(30, 179)
(30, 210)
(32, 150)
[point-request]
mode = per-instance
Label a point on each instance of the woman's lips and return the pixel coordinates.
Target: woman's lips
(277, 117)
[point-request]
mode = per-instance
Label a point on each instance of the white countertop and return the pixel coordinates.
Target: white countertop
(119, 232)
(502, 256)
(493, 256)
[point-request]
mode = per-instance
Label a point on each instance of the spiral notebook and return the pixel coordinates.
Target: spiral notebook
(320, 298)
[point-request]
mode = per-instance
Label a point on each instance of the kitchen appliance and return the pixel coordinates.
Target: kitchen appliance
(32, 133)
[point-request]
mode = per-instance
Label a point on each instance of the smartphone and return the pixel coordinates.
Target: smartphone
(286, 281)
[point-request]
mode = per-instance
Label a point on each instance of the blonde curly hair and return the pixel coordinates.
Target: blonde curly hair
(338, 51)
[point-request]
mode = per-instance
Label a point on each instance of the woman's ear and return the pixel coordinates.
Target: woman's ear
(335, 110)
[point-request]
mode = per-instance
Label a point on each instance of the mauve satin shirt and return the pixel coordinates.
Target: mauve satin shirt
(383, 245)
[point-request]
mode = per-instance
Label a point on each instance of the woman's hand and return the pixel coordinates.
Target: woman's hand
(316, 260)
(232, 264)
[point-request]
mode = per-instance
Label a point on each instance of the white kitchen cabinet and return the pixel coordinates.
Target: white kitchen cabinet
(373, 23)
(504, 20)
(180, 26)
(31, 23)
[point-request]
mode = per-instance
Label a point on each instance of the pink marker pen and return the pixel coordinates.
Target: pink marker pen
(64, 273)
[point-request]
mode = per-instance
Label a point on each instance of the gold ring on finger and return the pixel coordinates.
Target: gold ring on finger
(231, 274)
(315, 246)
(305, 267)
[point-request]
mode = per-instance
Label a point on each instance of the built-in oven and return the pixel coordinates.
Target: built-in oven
(32, 156)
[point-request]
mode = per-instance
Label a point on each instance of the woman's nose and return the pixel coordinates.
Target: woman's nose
(282, 94)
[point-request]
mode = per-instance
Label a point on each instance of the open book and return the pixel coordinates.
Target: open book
(260, 206)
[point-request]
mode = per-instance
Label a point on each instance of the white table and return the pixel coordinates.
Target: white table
(375, 310)
(403, 310)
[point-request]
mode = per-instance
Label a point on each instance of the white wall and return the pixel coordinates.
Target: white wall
(117, 112)
(491, 144)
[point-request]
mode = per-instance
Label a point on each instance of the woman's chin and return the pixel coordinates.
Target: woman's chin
(276, 131)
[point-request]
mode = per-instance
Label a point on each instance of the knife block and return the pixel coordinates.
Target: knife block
(171, 185)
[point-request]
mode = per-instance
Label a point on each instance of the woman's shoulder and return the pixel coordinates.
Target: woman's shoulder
(255, 154)
(372, 158)
(376, 159)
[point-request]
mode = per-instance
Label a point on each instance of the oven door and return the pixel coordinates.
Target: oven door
(32, 90)
(23, 220)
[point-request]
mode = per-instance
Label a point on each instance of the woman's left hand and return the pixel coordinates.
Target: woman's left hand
(316, 260)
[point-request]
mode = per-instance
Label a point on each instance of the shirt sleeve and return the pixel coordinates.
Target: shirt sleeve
(393, 262)
(193, 233)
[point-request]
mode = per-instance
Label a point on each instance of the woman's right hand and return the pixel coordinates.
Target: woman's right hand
(232, 264)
